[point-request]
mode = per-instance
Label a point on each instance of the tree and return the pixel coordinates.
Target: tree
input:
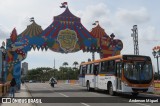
(156, 76)
(75, 64)
(65, 64)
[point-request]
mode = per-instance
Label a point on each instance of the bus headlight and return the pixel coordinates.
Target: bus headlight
(151, 85)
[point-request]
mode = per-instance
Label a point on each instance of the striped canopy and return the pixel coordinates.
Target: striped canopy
(32, 30)
(98, 32)
(64, 21)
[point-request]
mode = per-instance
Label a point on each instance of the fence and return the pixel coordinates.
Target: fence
(4, 88)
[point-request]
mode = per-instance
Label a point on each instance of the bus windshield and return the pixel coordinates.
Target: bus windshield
(138, 72)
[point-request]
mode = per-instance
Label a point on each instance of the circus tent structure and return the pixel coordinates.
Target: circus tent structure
(109, 46)
(60, 30)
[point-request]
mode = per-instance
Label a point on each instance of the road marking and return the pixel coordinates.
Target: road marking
(85, 104)
(142, 104)
(63, 95)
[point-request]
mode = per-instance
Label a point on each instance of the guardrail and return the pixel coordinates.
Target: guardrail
(4, 88)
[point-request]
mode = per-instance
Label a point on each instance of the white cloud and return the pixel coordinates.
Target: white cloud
(94, 13)
(138, 16)
(3, 34)
(150, 33)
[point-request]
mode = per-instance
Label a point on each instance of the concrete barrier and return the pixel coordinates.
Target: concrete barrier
(4, 88)
(157, 85)
(1, 87)
(74, 82)
(7, 86)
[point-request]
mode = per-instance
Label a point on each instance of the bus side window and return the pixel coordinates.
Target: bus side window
(96, 69)
(88, 68)
(104, 66)
(80, 70)
(111, 66)
(119, 69)
(92, 68)
(83, 70)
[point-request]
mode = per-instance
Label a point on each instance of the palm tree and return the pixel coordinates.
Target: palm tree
(65, 64)
(75, 64)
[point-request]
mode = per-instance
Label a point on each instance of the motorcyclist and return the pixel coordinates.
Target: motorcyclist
(52, 82)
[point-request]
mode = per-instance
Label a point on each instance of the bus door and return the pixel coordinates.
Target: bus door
(82, 75)
(119, 75)
(96, 71)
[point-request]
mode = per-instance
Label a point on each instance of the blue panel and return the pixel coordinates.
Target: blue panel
(17, 73)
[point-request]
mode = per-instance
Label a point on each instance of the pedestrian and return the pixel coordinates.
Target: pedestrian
(22, 82)
(12, 87)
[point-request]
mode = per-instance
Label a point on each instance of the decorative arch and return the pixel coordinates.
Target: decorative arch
(65, 34)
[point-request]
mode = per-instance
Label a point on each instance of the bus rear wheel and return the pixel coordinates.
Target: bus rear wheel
(111, 92)
(88, 87)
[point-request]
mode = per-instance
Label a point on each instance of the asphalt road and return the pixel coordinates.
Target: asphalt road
(74, 95)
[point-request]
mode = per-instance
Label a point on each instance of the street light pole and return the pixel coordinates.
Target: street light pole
(158, 66)
(156, 54)
(3, 60)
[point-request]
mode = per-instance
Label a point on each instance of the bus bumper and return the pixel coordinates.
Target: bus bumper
(137, 89)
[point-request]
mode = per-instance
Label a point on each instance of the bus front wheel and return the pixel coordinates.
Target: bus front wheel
(111, 92)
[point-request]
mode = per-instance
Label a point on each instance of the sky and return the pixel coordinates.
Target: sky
(115, 16)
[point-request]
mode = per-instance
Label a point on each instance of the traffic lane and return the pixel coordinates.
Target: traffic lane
(74, 91)
(121, 97)
(42, 90)
(78, 89)
(60, 90)
(65, 91)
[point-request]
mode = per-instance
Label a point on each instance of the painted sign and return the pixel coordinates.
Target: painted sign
(67, 39)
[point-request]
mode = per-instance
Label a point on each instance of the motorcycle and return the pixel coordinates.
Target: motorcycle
(52, 84)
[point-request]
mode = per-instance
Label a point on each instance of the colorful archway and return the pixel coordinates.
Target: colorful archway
(65, 34)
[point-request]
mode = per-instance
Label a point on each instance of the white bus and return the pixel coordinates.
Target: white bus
(122, 73)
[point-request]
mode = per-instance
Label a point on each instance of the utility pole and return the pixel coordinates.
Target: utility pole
(54, 69)
(54, 64)
(135, 39)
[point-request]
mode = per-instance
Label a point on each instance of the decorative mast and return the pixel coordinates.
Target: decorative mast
(13, 35)
(64, 5)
